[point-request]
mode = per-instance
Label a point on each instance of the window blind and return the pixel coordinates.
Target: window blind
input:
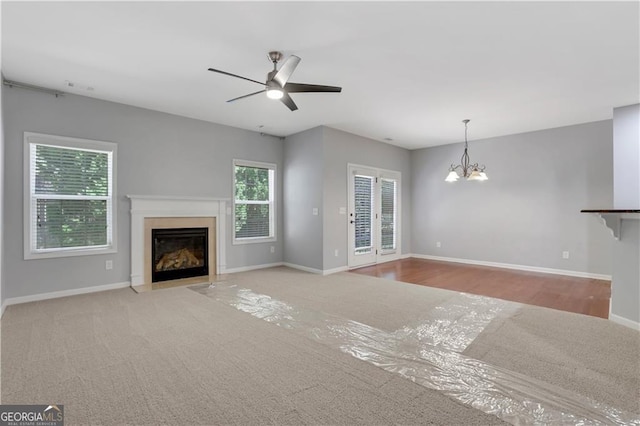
(253, 202)
(363, 195)
(70, 197)
(388, 214)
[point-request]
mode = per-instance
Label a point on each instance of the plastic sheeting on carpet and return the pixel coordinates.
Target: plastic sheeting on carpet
(456, 323)
(509, 395)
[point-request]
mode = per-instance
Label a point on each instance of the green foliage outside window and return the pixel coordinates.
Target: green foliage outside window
(73, 218)
(252, 207)
(65, 171)
(252, 183)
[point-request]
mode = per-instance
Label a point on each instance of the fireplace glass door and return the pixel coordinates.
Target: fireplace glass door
(179, 253)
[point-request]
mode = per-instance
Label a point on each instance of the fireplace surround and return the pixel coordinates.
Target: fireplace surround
(159, 212)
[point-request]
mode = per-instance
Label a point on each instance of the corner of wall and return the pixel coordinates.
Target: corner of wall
(625, 285)
(302, 188)
(2, 168)
(624, 321)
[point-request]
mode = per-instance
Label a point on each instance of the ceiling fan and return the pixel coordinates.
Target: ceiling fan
(277, 85)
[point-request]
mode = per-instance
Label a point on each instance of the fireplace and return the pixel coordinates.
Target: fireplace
(179, 253)
(150, 212)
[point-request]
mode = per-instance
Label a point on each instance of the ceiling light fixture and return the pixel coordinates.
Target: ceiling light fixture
(274, 93)
(274, 90)
(470, 171)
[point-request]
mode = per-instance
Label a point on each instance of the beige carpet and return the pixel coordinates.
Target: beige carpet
(177, 357)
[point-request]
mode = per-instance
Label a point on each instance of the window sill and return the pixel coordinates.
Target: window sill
(237, 242)
(28, 255)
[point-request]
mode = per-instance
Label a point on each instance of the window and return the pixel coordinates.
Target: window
(364, 188)
(69, 196)
(253, 205)
(388, 214)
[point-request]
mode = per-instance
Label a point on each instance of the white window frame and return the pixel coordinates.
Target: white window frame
(272, 202)
(31, 252)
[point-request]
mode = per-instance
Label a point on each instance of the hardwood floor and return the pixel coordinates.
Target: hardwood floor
(581, 295)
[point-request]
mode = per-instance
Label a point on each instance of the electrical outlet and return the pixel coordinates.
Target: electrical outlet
(315, 211)
(335, 252)
(438, 244)
(565, 254)
(273, 249)
(108, 264)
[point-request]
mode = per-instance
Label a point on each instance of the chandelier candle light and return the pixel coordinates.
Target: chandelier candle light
(470, 171)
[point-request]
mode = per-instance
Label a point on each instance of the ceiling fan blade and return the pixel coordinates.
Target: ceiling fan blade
(234, 75)
(286, 99)
(246, 96)
(286, 70)
(310, 88)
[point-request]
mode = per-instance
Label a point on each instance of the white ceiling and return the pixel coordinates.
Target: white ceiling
(409, 71)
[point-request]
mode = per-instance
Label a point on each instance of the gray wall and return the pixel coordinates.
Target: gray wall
(303, 186)
(528, 212)
(158, 154)
(316, 177)
(626, 157)
(625, 283)
(2, 291)
(340, 149)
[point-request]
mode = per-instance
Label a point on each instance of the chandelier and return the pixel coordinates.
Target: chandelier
(470, 171)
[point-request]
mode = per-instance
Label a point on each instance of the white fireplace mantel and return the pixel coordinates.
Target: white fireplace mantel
(145, 206)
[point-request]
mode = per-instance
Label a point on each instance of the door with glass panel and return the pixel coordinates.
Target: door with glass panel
(373, 215)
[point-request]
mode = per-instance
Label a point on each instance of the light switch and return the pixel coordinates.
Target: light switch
(315, 211)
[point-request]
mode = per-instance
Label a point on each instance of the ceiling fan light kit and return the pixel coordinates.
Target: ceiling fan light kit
(275, 93)
(465, 168)
(273, 90)
(277, 85)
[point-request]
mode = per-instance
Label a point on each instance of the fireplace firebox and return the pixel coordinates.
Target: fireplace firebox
(179, 253)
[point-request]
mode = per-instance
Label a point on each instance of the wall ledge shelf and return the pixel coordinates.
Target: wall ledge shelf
(612, 218)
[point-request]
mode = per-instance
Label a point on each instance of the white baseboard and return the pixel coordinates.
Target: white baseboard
(250, 268)
(62, 293)
(316, 271)
(303, 268)
(335, 270)
(517, 267)
(2, 308)
(383, 259)
(290, 265)
(624, 321)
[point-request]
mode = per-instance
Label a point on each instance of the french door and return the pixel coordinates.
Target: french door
(374, 219)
